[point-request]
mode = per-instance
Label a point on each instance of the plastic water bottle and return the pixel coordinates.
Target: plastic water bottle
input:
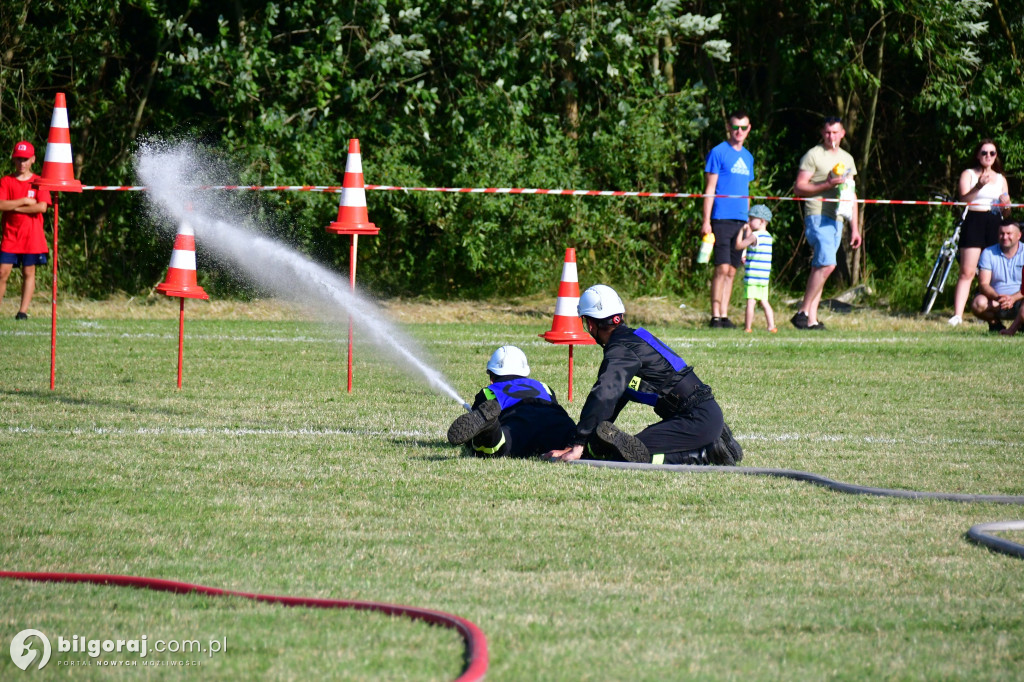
(707, 244)
(839, 170)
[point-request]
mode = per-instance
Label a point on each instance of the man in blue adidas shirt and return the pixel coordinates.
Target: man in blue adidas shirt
(638, 367)
(728, 171)
(515, 416)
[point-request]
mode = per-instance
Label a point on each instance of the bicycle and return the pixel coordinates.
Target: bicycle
(943, 264)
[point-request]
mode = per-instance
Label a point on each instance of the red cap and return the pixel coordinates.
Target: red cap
(23, 150)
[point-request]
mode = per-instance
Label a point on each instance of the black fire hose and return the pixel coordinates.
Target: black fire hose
(976, 533)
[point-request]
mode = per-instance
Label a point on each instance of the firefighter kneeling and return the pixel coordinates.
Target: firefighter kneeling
(514, 416)
(638, 367)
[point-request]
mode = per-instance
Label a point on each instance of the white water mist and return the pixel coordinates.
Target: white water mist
(172, 175)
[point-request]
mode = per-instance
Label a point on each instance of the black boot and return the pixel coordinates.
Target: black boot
(695, 457)
(726, 451)
(630, 448)
(472, 424)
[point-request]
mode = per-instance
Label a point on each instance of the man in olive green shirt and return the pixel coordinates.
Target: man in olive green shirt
(823, 220)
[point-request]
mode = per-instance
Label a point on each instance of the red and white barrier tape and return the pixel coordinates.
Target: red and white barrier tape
(336, 189)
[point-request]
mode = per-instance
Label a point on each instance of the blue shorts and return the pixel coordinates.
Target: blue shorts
(823, 234)
(22, 259)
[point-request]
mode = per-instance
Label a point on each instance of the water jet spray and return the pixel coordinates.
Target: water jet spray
(172, 172)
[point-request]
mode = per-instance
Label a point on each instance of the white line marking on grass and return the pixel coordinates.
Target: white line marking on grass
(839, 438)
(201, 431)
(685, 341)
(193, 337)
(775, 341)
(488, 340)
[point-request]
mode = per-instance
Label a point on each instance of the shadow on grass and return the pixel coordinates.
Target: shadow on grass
(91, 402)
(454, 453)
(462, 453)
(434, 443)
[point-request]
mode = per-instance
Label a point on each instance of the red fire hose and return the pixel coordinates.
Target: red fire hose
(476, 643)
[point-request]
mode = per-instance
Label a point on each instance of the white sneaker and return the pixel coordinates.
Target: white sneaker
(955, 320)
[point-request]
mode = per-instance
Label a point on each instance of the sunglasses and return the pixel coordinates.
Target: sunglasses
(746, 127)
(986, 153)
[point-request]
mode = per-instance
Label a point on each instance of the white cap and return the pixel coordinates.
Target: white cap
(508, 360)
(599, 302)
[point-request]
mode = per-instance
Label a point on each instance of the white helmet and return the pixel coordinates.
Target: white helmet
(508, 360)
(599, 302)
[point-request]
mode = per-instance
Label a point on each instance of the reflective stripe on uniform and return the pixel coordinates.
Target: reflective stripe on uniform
(491, 451)
(511, 392)
(678, 364)
(657, 459)
(634, 393)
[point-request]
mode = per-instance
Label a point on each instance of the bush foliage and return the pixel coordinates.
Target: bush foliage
(610, 95)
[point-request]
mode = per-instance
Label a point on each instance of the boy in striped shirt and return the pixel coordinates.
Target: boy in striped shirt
(755, 239)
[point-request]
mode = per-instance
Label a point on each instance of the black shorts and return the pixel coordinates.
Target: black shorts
(725, 232)
(979, 231)
(1009, 313)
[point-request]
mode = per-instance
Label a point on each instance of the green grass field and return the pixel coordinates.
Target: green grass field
(263, 475)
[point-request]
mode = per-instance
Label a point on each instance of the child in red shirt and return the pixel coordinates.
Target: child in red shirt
(23, 242)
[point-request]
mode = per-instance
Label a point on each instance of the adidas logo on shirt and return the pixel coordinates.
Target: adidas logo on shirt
(739, 168)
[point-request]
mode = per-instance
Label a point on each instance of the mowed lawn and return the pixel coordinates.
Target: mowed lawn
(264, 475)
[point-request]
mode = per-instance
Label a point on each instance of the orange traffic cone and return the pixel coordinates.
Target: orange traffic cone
(181, 274)
(58, 170)
(567, 326)
(352, 215)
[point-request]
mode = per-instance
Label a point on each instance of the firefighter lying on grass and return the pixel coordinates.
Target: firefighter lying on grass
(515, 416)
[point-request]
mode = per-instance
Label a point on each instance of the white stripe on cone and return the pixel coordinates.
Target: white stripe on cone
(58, 152)
(183, 260)
(353, 196)
(354, 164)
(59, 119)
(567, 307)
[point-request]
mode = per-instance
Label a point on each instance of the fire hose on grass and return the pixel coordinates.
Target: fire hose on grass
(476, 643)
(978, 533)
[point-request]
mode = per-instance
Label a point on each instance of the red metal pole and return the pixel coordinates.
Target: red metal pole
(53, 304)
(352, 281)
(350, 354)
(570, 372)
(181, 338)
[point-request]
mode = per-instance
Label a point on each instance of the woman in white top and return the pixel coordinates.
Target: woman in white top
(981, 186)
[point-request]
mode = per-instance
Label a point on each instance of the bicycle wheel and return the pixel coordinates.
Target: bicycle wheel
(938, 278)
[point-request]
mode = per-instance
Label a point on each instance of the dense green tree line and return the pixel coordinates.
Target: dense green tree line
(609, 95)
